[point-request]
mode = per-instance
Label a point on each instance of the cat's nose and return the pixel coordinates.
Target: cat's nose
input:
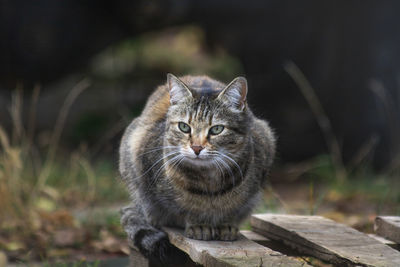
(197, 149)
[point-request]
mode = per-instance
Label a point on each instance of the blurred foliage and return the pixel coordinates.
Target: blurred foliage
(177, 50)
(40, 188)
(381, 188)
(88, 126)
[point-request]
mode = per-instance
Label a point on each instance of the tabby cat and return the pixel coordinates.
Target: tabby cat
(196, 158)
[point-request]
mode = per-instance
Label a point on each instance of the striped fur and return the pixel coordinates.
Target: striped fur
(208, 197)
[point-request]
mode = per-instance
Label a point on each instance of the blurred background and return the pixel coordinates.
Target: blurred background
(73, 74)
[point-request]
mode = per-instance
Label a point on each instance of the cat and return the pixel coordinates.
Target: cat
(196, 158)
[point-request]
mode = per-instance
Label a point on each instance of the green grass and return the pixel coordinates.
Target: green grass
(382, 189)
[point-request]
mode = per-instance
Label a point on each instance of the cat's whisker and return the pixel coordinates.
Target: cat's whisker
(156, 149)
(231, 160)
(219, 167)
(226, 165)
(170, 161)
(152, 166)
(173, 162)
(164, 164)
(221, 171)
(156, 176)
(175, 165)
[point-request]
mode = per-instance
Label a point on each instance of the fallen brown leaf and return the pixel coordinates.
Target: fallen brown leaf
(68, 237)
(110, 243)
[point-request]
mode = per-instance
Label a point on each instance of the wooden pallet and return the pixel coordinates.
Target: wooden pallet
(285, 240)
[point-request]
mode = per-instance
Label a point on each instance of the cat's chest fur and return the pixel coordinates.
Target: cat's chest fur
(177, 205)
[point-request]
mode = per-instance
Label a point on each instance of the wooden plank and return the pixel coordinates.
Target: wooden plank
(388, 227)
(270, 243)
(242, 252)
(259, 239)
(326, 239)
(385, 241)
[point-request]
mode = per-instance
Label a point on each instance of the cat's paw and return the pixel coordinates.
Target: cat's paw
(207, 232)
(226, 233)
(199, 232)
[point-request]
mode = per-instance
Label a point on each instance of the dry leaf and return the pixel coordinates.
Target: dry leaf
(68, 237)
(110, 244)
(58, 219)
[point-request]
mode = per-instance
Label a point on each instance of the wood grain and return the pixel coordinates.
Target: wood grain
(385, 241)
(388, 227)
(325, 239)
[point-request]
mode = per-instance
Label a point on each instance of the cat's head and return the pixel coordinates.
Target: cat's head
(207, 122)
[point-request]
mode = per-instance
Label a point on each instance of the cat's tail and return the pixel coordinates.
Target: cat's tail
(153, 243)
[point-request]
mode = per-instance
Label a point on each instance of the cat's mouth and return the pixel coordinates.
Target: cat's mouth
(198, 160)
(202, 159)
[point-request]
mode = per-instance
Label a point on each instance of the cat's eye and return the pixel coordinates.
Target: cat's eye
(217, 129)
(184, 127)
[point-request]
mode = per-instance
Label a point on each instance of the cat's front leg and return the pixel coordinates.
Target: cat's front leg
(223, 232)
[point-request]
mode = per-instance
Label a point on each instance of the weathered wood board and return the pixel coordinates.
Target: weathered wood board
(242, 252)
(388, 227)
(325, 239)
(385, 241)
(259, 239)
(272, 244)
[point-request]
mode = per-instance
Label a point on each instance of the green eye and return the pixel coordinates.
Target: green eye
(184, 127)
(217, 129)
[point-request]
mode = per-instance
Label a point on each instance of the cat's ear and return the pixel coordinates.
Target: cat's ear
(178, 90)
(235, 93)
